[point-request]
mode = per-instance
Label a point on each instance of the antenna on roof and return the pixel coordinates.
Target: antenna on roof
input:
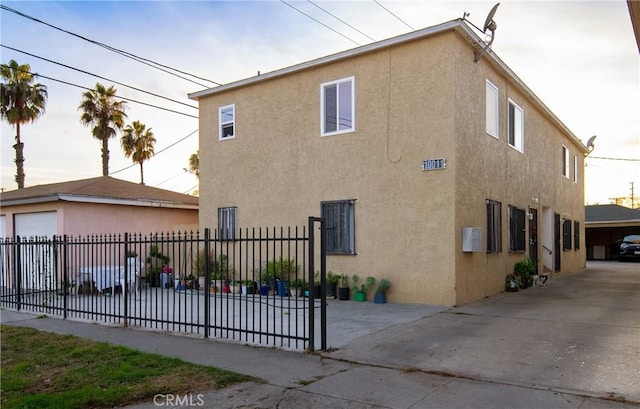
(489, 24)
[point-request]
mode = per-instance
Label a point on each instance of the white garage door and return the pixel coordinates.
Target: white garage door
(3, 226)
(36, 224)
(36, 256)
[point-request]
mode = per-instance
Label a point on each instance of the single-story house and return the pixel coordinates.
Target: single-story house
(431, 162)
(101, 205)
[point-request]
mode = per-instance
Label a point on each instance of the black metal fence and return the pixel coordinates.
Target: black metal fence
(253, 288)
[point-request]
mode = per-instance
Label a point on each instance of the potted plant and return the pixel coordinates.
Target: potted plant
(380, 296)
(297, 287)
(512, 283)
(525, 270)
(317, 287)
(156, 261)
(343, 288)
(360, 290)
(332, 284)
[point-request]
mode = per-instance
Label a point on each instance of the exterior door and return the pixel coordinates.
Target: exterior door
(533, 236)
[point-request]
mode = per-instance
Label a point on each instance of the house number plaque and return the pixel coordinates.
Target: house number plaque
(434, 164)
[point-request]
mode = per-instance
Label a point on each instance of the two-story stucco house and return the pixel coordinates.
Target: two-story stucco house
(430, 169)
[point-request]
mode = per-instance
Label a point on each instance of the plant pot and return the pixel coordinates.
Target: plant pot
(331, 290)
(343, 293)
(201, 282)
(264, 290)
(380, 298)
(317, 289)
(243, 288)
(283, 286)
(360, 296)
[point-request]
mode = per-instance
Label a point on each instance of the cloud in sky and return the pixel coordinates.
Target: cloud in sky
(580, 58)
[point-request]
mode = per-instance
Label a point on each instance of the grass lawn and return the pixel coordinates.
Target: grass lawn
(46, 370)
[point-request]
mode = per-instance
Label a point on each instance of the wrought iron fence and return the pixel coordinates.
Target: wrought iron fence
(253, 288)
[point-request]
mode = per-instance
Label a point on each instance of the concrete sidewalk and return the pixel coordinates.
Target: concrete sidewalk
(571, 344)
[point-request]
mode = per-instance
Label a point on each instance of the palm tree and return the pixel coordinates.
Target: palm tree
(137, 142)
(21, 101)
(101, 110)
(194, 163)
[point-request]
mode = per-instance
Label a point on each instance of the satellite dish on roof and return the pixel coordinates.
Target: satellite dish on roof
(590, 144)
(489, 24)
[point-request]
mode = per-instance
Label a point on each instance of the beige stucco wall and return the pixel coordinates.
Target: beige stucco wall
(415, 101)
(488, 168)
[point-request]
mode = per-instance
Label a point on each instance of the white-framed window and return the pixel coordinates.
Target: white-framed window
(337, 107)
(575, 169)
(227, 223)
(516, 126)
(566, 165)
(227, 122)
(492, 110)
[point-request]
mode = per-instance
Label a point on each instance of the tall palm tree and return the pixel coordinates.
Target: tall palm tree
(194, 163)
(101, 110)
(137, 142)
(21, 101)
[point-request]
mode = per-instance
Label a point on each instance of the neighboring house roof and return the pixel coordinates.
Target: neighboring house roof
(634, 13)
(457, 25)
(103, 189)
(611, 216)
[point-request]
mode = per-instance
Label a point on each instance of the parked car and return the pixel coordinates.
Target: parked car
(630, 247)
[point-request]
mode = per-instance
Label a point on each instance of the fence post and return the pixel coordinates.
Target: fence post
(124, 291)
(207, 278)
(312, 313)
(17, 279)
(323, 281)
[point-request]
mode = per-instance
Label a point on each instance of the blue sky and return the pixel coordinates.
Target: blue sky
(580, 58)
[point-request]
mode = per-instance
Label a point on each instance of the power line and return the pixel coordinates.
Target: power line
(134, 57)
(156, 153)
(319, 22)
(91, 89)
(390, 12)
(98, 76)
(600, 157)
(342, 21)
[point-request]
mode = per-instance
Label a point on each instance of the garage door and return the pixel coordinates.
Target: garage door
(36, 224)
(3, 226)
(36, 256)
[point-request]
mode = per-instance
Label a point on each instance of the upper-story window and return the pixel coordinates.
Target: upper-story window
(227, 121)
(337, 107)
(575, 169)
(492, 109)
(516, 126)
(566, 165)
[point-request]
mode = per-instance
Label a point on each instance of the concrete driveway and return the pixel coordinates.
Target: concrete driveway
(579, 334)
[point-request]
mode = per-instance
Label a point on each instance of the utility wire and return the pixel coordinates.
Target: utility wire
(134, 57)
(342, 21)
(155, 153)
(91, 89)
(600, 157)
(308, 16)
(390, 12)
(98, 76)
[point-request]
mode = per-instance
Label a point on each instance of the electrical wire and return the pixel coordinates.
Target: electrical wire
(390, 12)
(342, 21)
(156, 153)
(134, 57)
(625, 159)
(319, 22)
(124, 98)
(98, 76)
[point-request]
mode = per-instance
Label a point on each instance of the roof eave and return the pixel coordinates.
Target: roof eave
(99, 200)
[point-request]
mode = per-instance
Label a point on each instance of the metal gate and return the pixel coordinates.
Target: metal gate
(251, 286)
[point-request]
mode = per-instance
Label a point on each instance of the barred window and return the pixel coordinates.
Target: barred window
(227, 223)
(494, 226)
(339, 219)
(576, 235)
(517, 229)
(566, 234)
